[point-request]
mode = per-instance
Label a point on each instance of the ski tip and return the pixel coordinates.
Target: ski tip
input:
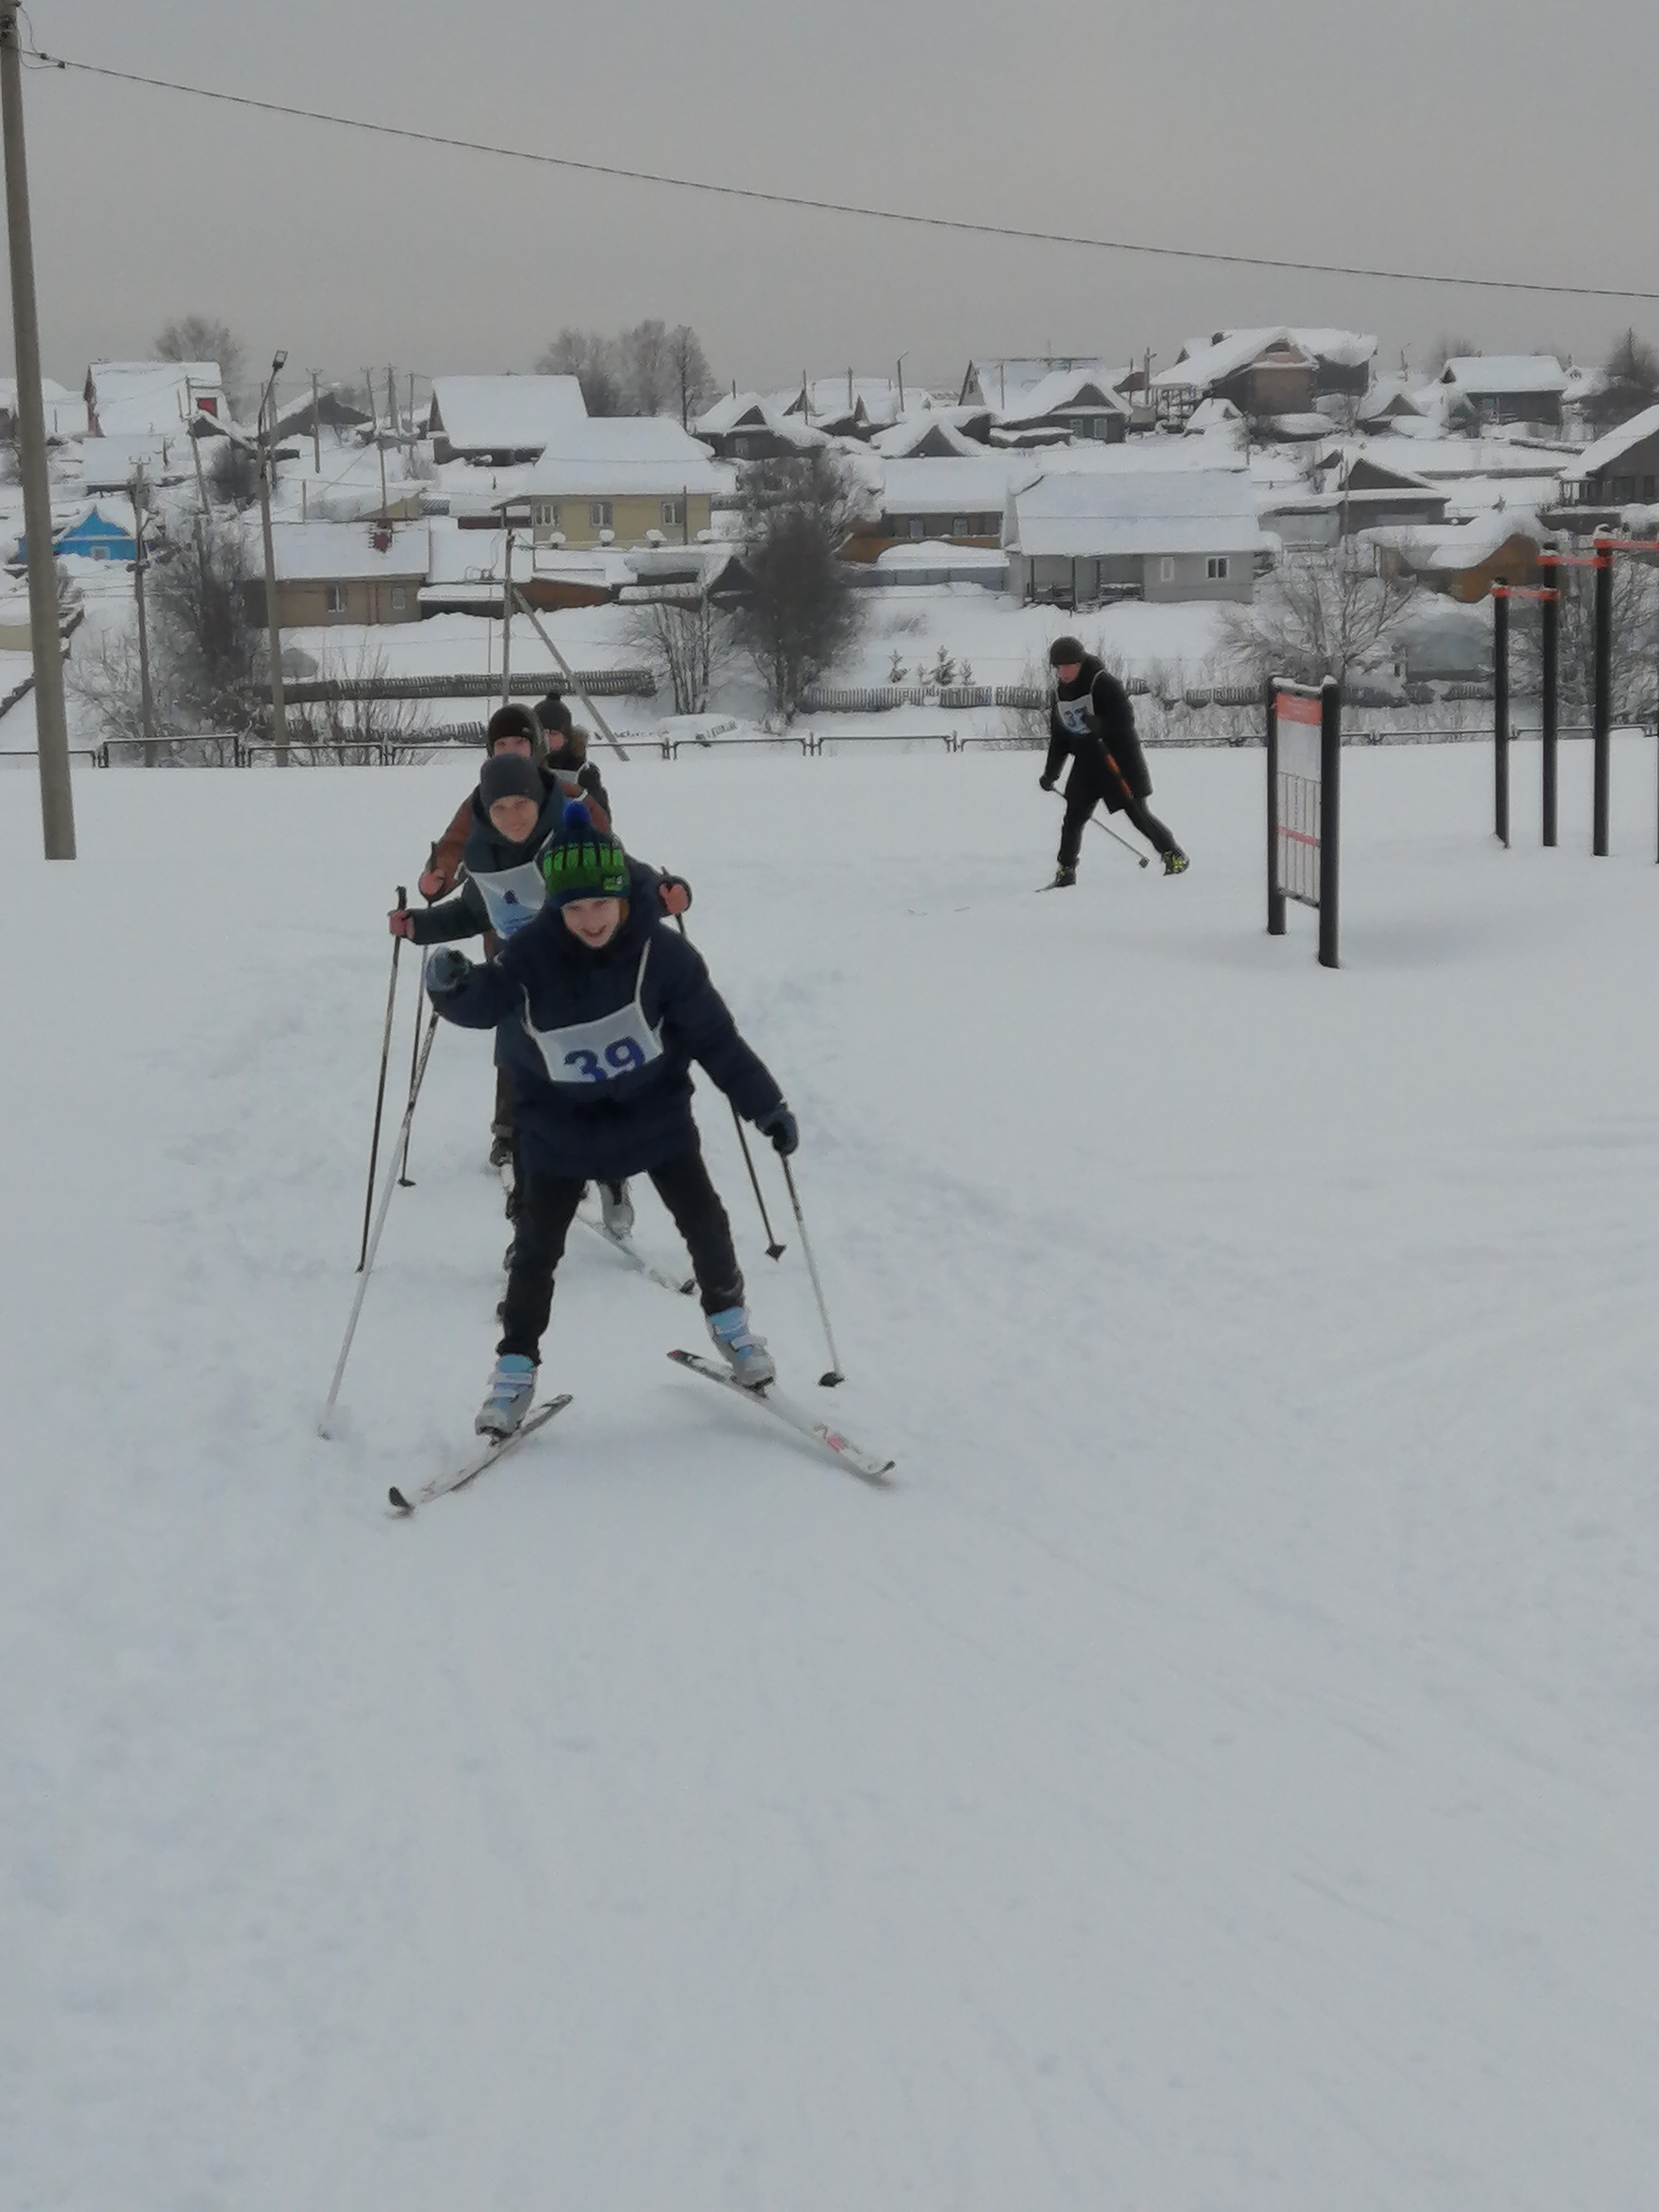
(400, 1501)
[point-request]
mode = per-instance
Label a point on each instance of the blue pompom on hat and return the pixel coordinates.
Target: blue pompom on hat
(582, 862)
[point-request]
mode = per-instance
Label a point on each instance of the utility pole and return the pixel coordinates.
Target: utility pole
(507, 615)
(139, 491)
(52, 727)
(192, 425)
(316, 428)
(273, 629)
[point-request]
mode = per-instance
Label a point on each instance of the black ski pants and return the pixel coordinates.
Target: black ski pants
(1084, 792)
(547, 1206)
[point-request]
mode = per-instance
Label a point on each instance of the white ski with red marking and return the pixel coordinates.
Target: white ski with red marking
(824, 1434)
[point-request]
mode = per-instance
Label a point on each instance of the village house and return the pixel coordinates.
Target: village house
(99, 534)
(960, 499)
(109, 465)
(744, 426)
(624, 480)
(1505, 388)
(845, 406)
(1619, 470)
(147, 398)
(1263, 372)
(1077, 536)
(496, 422)
(340, 572)
(60, 409)
(1068, 403)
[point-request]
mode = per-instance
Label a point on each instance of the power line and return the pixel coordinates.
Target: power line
(959, 224)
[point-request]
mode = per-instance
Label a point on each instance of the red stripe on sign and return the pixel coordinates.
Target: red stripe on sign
(1290, 708)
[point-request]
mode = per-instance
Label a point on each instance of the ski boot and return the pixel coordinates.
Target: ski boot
(512, 1386)
(1065, 877)
(746, 1354)
(1175, 863)
(616, 1209)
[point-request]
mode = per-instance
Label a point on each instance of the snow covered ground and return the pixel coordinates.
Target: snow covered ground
(1222, 1774)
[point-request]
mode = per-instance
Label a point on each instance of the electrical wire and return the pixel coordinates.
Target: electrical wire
(960, 224)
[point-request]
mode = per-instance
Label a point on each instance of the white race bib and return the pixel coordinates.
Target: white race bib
(599, 1051)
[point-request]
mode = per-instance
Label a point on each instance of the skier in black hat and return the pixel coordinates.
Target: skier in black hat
(1090, 718)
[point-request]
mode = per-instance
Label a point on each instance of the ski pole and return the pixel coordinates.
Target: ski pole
(774, 1249)
(386, 1189)
(380, 1094)
(406, 1182)
(825, 1382)
(1142, 857)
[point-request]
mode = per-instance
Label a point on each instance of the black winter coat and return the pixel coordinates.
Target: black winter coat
(604, 1091)
(503, 891)
(1093, 720)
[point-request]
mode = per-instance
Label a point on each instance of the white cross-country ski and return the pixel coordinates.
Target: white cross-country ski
(829, 1439)
(683, 1285)
(458, 1477)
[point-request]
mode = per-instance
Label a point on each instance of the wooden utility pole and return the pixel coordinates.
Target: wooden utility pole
(192, 424)
(316, 428)
(273, 629)
(139, 492)
(51, 728)
(411, 405)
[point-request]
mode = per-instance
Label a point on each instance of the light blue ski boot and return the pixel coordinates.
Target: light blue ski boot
(746, 1354)
(512, 1386)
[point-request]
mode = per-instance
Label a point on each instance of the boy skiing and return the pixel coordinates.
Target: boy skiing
(1090, 717)
(599, 1009)
(559, 748)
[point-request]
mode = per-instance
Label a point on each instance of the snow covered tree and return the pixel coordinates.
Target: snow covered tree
(803, 609)
(1635, 608)
(1317, 614)
(685, 640)
(593, 359)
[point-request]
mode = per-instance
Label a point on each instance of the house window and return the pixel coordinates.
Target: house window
(334, 598)
(958, 525)
(1624, 487)
(546, 514)
(399, 599)
(1166, 569)
(1215, 568)
(673, 514)
(1650, 488)
(916, 527)
(598, 514)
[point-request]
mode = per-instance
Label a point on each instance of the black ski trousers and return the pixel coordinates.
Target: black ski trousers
(1084, 792)
(547, 1206)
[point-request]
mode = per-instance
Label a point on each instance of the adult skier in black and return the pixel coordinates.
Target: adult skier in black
(1089, 718)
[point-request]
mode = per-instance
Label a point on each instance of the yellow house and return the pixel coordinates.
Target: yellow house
(624, 480)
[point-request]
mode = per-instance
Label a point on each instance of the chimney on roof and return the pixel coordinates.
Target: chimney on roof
(1216, 337)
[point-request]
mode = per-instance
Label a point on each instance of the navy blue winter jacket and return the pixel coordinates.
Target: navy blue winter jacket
(599, 1045)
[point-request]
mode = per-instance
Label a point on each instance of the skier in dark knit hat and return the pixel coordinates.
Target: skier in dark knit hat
(516, 811)
(1089, 718)
(600, 1010)
(514, 729)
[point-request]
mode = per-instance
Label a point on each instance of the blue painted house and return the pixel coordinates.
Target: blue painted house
(95, 537)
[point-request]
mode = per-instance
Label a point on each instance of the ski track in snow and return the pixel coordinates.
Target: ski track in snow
(1222, 1773)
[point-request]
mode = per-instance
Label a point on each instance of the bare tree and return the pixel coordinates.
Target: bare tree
(199, 338)
(593, 359)
(1448, 346)
(694, 381)
(646, 368)
(1635, 612)
(233, 471)
(685, 640)
(796, 513)
(1317, 614)
(203, 652)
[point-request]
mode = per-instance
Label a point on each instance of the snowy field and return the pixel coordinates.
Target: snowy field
(1221, 1776)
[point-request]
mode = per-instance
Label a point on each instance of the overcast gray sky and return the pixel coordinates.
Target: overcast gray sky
(1434, 134)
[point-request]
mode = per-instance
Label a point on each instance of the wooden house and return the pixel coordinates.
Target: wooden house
(1262, 372)
(624, 480)
(498, 421)
(364, 573)
(1505, 388)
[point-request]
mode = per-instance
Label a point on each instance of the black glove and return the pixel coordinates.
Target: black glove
(1045, 783)
(781, 1125)
(446, 970)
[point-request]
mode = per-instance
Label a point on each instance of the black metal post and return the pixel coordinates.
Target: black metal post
(1330, 818)
(1552, 686)
(1275, 896)
(1500, 710)
(380, 1091)
(1601, 731)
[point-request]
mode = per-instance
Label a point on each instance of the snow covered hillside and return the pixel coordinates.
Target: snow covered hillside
(1221, 1775)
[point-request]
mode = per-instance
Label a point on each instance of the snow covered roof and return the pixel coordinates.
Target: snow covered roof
(314, 551)
(1210, 415)
(613, 455)
(65, 412)
(1139, 511)
(951, 487)
(828, 398)
(1065, 388)
(752, 409)
(107, 464)
(1008, 385)
(1503, 373)
(1461, 545)
(1341, 349)
(1207, 361)
(505, 414)
(1439, 458)
(1390, 394)
(129, 398)
(1614, 445)
(914, 430)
